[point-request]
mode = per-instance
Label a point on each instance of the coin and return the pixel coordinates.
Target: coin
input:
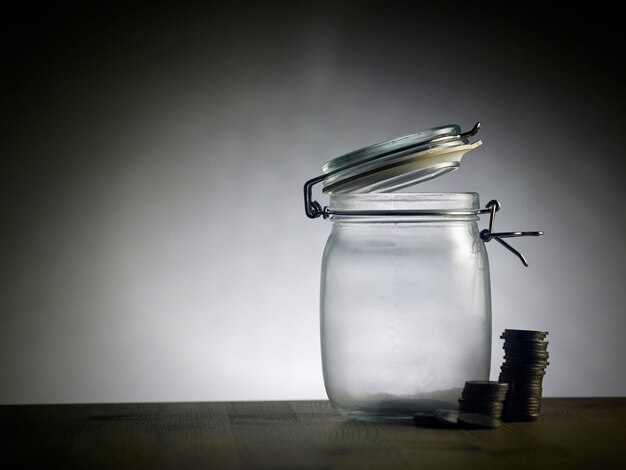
(524, 341)
(500, 396)
(495, 406)
(446, 418)
(522, 363)
(518, 389)
(525, 359)
(484, 385)
(525, 344)
(521, 406)
(478, 421)
(523, 369)
(524, 333)
(527, 352)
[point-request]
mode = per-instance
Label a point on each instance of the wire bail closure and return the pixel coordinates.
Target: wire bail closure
(488, 234)
(314, 209)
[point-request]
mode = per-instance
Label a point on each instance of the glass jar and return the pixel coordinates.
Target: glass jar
(405, 303)
(405, 292)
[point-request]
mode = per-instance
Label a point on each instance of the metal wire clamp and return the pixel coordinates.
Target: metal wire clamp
(488, 234)
(314, 209)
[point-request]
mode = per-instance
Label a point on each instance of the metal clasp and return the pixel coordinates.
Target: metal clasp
(488, 234)
(314, 210)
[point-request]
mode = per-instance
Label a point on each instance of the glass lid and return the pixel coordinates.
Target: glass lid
(404, 161)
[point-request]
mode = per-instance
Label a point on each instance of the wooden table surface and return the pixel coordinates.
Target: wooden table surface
(574, 433)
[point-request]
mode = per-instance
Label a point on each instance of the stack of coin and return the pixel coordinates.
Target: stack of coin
(525, 360)
(483, 397)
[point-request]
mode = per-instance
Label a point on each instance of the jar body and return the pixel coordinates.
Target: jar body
(405, 307)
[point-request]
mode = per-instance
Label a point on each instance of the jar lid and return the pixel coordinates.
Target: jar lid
(397, 163)
(404, 161)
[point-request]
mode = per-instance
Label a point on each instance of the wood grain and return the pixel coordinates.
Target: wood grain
(575, 433)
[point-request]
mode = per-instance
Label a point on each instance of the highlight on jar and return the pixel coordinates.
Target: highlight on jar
(405, 294)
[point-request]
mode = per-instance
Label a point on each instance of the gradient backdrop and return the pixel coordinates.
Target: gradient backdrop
(153, 243)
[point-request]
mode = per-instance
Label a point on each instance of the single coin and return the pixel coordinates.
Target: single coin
(527, 354)
(521, 363)
(478, 421)
(533, 346)
(447, 418)
(519, 369)
(525, 333)
(526, 342)
(526, 350)
(485, 386)
(523, 399)
(516, 377)
(523, 391)
(481, 404)
(484, 409)
(483, 398)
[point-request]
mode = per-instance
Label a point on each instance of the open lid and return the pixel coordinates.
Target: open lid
(398, 163)
(401, 162)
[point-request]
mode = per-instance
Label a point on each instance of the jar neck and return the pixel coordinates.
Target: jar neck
(403, 207)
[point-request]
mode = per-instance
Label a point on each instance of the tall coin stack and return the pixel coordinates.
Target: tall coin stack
(525, 361)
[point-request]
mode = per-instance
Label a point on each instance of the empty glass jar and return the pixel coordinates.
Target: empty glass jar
(405, 303)
(405, 293)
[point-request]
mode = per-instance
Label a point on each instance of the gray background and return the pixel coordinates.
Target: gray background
(154, 244)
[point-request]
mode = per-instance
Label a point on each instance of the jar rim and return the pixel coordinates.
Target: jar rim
(398, 202)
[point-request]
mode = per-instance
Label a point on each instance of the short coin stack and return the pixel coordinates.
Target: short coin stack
(483, 397)
(525, 360)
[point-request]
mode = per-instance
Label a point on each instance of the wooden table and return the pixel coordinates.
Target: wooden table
(574, 433)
